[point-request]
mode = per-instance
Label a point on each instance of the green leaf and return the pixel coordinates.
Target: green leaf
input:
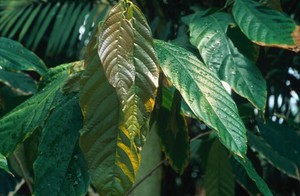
(19, 124)
(60, 168)
(203, 92)
(278, 160)
(265, 26)
(13, 56)
(283, 139)
(3, 163)
(218, 179)
(208, 34)
(173, 132)
(113, 160)
(260, 183)
(130, 64)
(19, 82)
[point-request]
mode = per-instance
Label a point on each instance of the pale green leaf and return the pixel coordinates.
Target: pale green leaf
(19, 124)
(60, 168)
(203, 92)
(265, 26)
(208, 34)
(113, 160)
(218, 179)
(130, 64)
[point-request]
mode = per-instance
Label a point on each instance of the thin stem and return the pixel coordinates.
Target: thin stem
(23, 172)
(159, 164)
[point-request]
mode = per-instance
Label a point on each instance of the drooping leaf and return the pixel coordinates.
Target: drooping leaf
(173, 132)
(278, 160)
(60, 168)
(260, 183)
(13, 56)
(287, 146)
(218, 179)
(243, 179)
(130, 64)
(113, 160)
(204, 93)
(265, 26)
(19, 82)
(208, 34)
(3, 163)
(18, 124)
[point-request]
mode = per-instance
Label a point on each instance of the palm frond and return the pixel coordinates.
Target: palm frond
(58, 26)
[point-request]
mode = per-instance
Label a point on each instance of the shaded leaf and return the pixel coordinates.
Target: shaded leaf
(3, 163)
(208, 34)
(13, 56)
(218, 179)
(113, 160)
(173, 132)
(287, 146)
(265, 26)
(260, 183)
(60, 168)
(278, 160)
(204, 93)
(130, 64)
(19, 82)
(19, 124)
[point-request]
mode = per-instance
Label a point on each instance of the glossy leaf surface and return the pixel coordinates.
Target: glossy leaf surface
(203, 92)
(219, 53)
(112, 158)
(265, 26)
(3, 163)
(18, 124)
(130, 63)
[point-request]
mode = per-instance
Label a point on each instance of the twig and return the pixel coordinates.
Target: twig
(159, 164)
(23, 172)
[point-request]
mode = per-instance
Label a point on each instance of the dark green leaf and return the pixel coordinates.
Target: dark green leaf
(278, 160)
(3, 163)
(19, 82)
(218, 179)
(265, 26)
(60, 168)
(260, 183)
(203, 92)
(19, 124)
(13, 56)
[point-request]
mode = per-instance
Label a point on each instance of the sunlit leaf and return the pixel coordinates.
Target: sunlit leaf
(265, 26)
(113, 160)
(208, 34)
(204, 93)
(218, 179)
(130, 64)
(60, 167)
